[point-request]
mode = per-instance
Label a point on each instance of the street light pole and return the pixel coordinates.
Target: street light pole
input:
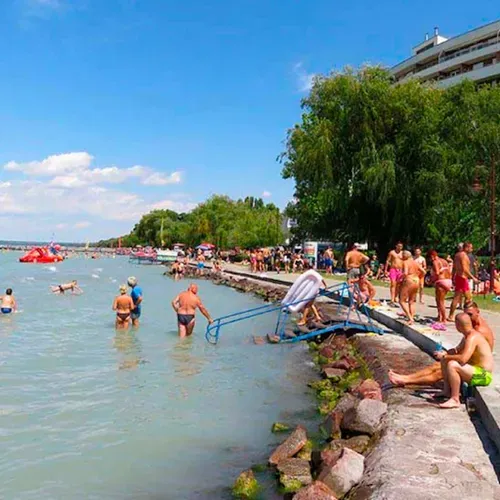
(493, 224)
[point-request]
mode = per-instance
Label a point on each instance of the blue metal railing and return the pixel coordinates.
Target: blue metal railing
(344, 291)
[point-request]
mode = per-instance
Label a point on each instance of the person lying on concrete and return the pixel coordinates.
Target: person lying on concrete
(432, 374)
(473, 363)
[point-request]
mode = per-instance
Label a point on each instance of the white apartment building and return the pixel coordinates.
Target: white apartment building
(446, 61)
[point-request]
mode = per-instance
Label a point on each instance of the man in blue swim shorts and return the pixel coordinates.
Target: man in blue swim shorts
(136, 295)
(8, 302)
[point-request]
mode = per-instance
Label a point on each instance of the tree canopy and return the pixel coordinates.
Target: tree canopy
(219, 220)
(380, 162)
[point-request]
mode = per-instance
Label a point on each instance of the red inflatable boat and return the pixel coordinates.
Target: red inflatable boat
(41, 256)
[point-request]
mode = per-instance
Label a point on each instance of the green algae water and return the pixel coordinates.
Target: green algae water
(86, 412)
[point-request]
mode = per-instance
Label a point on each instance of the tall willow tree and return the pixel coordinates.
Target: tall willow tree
(381, 162)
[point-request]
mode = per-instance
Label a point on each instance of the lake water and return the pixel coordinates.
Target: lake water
(86, 412)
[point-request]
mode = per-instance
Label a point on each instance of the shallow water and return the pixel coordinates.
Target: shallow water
(86, 412)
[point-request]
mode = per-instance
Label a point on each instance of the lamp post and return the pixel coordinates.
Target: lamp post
(493, 223)
(476, 186)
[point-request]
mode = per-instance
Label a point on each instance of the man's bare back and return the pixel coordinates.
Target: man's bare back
(354, 259)
(185, 305)
(188, 302)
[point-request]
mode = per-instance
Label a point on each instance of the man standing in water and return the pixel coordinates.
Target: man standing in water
(462, 274)
(394, 266)
(136, 295)
(185, 305)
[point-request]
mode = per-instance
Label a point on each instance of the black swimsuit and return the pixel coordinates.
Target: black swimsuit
(123, 316)
(185, 319)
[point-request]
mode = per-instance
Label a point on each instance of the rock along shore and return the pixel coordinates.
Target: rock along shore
(375, 444)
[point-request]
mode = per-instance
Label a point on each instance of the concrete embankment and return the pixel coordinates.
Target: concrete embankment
(422, 452)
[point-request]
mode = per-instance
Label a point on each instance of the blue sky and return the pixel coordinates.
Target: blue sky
(112, 107)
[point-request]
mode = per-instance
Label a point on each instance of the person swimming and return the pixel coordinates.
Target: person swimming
(123, 305)
(8, 302)
(72, 287)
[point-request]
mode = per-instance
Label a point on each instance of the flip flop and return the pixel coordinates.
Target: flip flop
(439, 326)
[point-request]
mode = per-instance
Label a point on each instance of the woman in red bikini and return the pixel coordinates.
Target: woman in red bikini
(441, 277)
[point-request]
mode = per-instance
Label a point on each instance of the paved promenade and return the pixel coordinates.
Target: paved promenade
(488, 398)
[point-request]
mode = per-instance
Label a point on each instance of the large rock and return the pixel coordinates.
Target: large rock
(347, 402)
(294, 473)
(291, 446)
(246, 486)
(359, 444)
(345, 473)
(322, 458)
(332, 425)
(369, 389)
(327, 351)
(333, 373)
(315, 491)
(365, 418)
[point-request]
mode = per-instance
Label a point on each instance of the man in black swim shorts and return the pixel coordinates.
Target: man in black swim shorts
(185, 305)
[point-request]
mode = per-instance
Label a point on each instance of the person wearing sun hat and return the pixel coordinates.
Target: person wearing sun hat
(136, 295)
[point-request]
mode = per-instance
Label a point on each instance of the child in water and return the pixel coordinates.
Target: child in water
(8, 302)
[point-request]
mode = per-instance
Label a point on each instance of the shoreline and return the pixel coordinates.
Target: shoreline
(451, 455)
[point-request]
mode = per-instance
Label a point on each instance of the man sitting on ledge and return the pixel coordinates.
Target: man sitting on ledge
(473, 363)
(433, 373)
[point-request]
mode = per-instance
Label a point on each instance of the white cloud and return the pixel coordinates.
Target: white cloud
(176, 206)
(305, 80)
(159, 179)
(266, 194)
(66, 193)
(53, 165)
(73, 170)
(83, 224)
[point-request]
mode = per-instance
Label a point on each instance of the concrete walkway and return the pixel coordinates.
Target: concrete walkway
(427, 339)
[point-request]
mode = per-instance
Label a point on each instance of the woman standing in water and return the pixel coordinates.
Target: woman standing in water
(123, 305)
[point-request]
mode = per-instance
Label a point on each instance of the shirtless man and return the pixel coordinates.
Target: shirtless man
(420, 260)
(123, 305)
(433, 373)
(354, 259)
(8, 302)
(200, 264)
(185, 305)
(67, 287)
(462, 274)
(409, 285)
(471, 363)
(328, 256)
(394, 266)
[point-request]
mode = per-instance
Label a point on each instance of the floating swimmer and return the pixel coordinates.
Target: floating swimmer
(67, 287)
(8, 302)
